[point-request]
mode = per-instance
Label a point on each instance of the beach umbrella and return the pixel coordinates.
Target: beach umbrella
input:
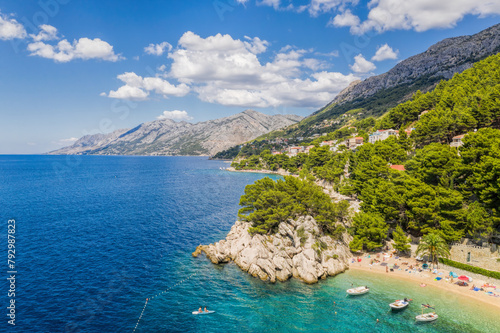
(463, 278)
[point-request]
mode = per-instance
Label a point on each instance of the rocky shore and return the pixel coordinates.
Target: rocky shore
(299, 249)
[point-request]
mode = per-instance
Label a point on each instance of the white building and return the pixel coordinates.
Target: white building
(381, 135)
(293, 151)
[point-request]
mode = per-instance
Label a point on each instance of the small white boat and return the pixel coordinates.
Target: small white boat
(399, 304)
(431, 316)
(358, 291)
(203, 312)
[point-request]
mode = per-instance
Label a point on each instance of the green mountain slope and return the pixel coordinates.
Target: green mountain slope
(453, 192)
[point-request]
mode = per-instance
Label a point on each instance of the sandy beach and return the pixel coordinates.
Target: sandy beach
(428, 277)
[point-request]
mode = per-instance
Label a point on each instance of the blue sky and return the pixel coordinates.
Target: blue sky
(71, 67)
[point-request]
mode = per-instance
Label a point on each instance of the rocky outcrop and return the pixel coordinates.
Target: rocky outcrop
(298, 249)
(167, 137)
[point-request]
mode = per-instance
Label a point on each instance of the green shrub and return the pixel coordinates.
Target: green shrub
(469, 268)
(302, 235)
(319, 246)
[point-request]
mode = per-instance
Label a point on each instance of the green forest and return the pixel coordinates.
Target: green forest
(468, 101)
(454, 192)
(267, 203)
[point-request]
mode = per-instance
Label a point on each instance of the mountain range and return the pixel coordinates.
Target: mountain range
(167, 137)
(377, 94)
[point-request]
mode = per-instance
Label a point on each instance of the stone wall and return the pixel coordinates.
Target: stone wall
(481, 256)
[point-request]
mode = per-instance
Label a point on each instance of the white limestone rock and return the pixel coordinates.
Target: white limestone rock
(284, 254)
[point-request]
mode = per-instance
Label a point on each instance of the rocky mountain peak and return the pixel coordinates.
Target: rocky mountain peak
(441, 60)
(168, 137)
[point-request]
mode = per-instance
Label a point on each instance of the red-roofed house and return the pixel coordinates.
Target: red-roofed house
(457, 141)
(354, 143)
(398, 167)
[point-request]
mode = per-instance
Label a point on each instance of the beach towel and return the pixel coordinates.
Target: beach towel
(453, 275)
(476, 289)
(438, 278)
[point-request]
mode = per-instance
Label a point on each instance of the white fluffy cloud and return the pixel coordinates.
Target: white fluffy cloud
(158, 49)
(216, 58)
(228, 71)
(421, 15)
(64, 51)
(10, 28)
(384, 15)
(47, 32)
(139, 88)
(175, 115)
(385, 52)
(346, 19)
(361, 65)
(272, 3)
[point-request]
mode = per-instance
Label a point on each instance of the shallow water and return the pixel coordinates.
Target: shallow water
(97, 235)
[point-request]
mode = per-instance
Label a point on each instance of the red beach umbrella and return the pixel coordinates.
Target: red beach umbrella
(463, 278)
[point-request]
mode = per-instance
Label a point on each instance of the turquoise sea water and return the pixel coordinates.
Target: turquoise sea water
(97, 235)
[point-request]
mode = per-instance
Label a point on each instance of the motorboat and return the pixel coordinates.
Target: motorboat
(202, 312)
(358, 291)
(431, 316)
(400, 304)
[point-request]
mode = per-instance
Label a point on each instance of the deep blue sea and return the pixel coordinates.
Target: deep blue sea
(97, 235)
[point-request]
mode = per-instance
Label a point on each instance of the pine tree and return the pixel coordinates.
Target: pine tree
(401, 242)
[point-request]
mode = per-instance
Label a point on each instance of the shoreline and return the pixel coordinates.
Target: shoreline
(269, 172)
(428, 278)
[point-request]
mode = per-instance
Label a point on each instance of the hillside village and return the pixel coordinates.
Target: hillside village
(351, 143)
